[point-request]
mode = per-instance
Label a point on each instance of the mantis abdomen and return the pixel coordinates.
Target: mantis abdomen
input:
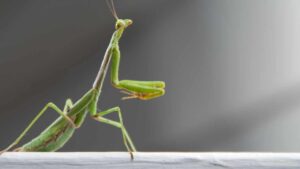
(60, 131)
(51, 139)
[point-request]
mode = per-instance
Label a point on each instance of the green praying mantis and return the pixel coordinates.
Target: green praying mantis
(73, 115)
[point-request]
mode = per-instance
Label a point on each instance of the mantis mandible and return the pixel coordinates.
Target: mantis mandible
(73, 115)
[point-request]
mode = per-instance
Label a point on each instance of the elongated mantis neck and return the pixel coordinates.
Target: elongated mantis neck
(98, 83)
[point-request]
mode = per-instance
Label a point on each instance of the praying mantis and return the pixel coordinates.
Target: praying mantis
(73, 115)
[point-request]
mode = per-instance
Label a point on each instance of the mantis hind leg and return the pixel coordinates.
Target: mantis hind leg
(126, 138)
(49, 105)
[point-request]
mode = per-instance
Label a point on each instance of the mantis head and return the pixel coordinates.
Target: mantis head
(120, 23)
(123, 23)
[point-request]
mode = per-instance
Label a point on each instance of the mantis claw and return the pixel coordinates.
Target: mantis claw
(131, 155)
(5, 150)
(130, 95)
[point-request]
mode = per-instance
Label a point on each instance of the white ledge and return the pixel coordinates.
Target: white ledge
(117, 160)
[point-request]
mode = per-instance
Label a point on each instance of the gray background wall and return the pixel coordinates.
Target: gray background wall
(231, 69)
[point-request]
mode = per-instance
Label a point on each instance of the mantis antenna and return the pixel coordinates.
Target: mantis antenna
(112, 8)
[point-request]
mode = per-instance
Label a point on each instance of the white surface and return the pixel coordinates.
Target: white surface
(115, 160)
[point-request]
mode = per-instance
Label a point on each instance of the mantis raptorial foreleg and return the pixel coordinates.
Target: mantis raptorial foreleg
(126, 137)
(49, 105)
(144, 90)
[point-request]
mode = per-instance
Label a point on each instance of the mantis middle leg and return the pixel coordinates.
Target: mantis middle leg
(126, 137)
(49, 105)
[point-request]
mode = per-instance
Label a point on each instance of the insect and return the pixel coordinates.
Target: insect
(73, 115)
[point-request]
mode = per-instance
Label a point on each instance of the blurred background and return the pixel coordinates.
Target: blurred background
(232, 70)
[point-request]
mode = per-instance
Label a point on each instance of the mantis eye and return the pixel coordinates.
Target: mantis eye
(118, 25)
